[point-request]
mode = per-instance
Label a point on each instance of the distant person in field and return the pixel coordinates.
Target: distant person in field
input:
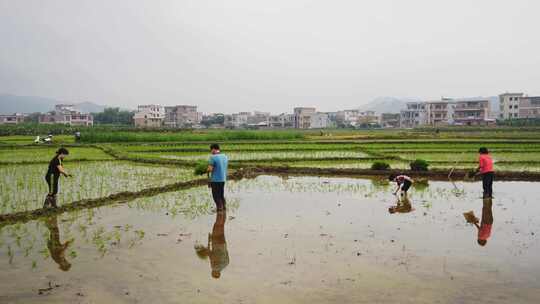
(484, 229)
(217, 173)
(403, 183)
(216, 249)
(485, 168)
(53, 176)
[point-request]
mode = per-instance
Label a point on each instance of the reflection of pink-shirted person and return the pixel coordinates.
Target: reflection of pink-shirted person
(484, 229)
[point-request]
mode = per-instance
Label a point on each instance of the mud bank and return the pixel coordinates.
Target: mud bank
(121, 197)
(457, 174)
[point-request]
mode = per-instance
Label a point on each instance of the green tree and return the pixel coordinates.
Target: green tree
(113, 116)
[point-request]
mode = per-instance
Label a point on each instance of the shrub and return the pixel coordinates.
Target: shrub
(201, 168)
(380, 166)
(419, 165)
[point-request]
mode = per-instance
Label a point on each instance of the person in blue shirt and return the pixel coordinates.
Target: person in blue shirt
(217, 173)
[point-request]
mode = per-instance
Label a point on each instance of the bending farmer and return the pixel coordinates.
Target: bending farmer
(53, 176)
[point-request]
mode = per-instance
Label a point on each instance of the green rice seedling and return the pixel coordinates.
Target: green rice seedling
(380, 166)
(201, 168)
(419, 165)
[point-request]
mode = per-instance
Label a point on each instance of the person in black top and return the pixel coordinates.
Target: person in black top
(53, 175)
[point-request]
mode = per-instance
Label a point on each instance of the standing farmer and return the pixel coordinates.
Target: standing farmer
(53, 176)
(217, 172)
(485, 168)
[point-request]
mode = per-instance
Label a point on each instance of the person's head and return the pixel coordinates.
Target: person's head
(483, 150)
(62, 152)
(216, 274)
(214, 148)
(64, 265)
(392, 177)
(482, 242)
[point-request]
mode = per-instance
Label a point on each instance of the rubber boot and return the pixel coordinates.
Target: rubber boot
(47, 201)
(53, 201)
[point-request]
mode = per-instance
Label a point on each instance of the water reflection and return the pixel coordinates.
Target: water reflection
(55, 246)
(403, 205)
(484, 230)
(486, 223)
(216, 249)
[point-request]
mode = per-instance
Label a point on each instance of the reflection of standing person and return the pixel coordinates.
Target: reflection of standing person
(484, 230)
(217, 246)
(56, 248)
(52, 176)
(217, 171)
(485, 168)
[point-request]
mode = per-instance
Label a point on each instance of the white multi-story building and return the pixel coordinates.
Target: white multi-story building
(181, 116)
(282, 120)
(367, 118)
(519, 105)
(347, 117)
(67, 114)
(509, 105)
(471, 112)
(237, 120)
(319, 121)
(149, 116)
(259, 119)
(414, 115)
(529, 107)
(12, 119)
(302, 117)
(439, 112)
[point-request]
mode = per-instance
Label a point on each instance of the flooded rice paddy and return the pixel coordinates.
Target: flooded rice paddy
(23, 187)
(283, 240)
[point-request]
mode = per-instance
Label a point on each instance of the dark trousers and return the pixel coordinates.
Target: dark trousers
(406, 185)
(218, 193)
(487, 184)
(52, 181)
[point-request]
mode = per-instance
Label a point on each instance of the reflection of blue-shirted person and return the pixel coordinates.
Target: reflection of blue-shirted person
(217, 172)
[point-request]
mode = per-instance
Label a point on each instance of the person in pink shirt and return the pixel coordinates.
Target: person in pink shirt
(485, 168)
(403, 183)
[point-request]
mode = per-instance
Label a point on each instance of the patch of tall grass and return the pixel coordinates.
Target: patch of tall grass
(208, 136)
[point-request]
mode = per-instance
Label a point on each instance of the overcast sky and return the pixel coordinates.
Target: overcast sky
(232, 55)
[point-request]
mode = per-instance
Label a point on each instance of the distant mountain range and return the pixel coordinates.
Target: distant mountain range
(10, 104)
(387, 104)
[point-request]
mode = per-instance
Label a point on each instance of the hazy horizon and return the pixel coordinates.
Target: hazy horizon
(267, 55)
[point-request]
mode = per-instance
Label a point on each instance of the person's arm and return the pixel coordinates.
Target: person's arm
(397, 189)
(210, 167)
(480, 166)
(62, 171)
